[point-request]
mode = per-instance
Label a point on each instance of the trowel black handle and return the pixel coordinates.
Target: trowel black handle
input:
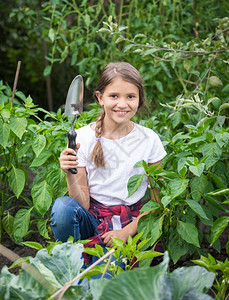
(72, 145)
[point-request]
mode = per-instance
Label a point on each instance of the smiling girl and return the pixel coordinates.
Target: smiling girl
(98, 207)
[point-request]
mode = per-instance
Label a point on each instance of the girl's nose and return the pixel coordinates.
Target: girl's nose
(122, 102)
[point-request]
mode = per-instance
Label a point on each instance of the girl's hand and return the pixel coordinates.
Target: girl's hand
(120, 234)
(68, 161)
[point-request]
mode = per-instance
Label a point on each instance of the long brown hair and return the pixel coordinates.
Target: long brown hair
(112, 71)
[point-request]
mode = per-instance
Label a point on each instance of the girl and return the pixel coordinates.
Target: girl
(98, 207)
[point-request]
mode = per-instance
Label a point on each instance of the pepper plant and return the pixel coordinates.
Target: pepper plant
(221, 269)
(193, 184)
(30, 176)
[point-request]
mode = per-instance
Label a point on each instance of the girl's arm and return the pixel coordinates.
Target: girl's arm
(77, 184)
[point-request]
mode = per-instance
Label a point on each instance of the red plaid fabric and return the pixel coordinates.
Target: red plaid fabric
(104, 214)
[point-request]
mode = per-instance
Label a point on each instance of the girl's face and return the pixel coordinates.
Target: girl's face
(120, 100)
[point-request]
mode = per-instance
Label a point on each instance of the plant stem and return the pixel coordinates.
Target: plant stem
(120, 12)
(208, 71)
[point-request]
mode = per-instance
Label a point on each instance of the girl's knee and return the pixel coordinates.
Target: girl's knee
(63, 210)
(64, 203)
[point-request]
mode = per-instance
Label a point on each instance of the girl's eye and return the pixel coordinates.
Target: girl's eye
(113, 96)
(131, 97)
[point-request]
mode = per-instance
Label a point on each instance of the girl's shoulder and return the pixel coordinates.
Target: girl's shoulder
(85, 134)
(142, 130)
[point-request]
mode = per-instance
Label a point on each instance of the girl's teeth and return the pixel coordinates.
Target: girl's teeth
(122, 112)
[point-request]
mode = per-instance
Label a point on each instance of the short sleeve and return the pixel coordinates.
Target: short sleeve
(158, 152)
(82, 152)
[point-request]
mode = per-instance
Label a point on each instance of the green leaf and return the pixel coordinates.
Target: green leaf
(20, 95)
(142, 164)
(222, 138)
(166, 200)
(42, 197)
(118, 40)
(223, 106)
(177, 187)
(19, 262)
(218, 227)
(97, 286)
(57, 180)
(214, 202)
(21, 222)
(142, 244)
(188, 283)
(198, 187)
(117, 242)
(197, 170)
(214, 81)
(65, 262)
(177, 246)
(47, 70)
(197, 208)
(156, 225)
(39, 144)
(33, 245)
(187, 64)
(18, 126)
(144, 225)
(87, 20)
(218, 181)
(24, 149)
(5, 113)
(41, 159)
(221, 120)
(159, 86)
(134, 183)
(51, 34)
(64, 54)
(219, 192)
(176, 119)
(148, 254)
(4, 134)
(212, 151)
(188, 232)
(8, 224)
(41, 225)
(150, 206)
(16, 179)
(147, 283)
(92, 251)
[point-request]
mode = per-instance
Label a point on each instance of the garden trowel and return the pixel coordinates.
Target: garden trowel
(74, 107)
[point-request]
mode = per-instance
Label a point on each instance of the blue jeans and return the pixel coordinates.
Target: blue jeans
(69, 218)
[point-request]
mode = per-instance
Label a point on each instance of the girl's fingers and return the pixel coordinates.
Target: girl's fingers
(68, 151)
(68, 158)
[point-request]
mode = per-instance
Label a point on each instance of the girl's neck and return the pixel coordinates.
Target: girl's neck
(116, 131)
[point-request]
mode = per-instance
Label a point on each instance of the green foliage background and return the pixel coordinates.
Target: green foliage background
(71, 31)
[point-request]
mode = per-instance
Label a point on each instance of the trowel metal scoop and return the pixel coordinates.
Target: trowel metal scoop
(74, 107)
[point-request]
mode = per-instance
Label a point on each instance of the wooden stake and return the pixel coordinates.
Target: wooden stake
(15, 81)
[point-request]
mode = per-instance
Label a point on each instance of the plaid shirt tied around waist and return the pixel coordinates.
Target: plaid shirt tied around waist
(104, 214)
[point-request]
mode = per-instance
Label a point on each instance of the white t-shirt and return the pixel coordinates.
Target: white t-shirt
(109, 185)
